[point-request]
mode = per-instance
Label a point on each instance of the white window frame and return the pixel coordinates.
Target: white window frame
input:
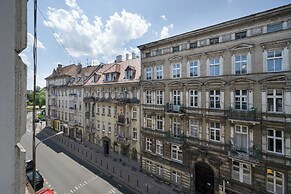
(193, 65)
(148, 73)
(241, 99)
(159, 72)
(159, 122)
(273, 59)
(215, 64)
(176, 97)
(148, 166)
(241, 130)
(159, 147)
(193, 98)
(273, 186)
(149, 119)
(275, 139)
(215, 98)
(193, 128)
(159, 170)
(134, 113)
(134, 133)
(240, 60)
(215, 131)
(274, 98)
(176, 127)
(176, 70)
(176, 153)
(238, 172)
(176, 177)
(149, 144)
(148, 96)
(160, 97)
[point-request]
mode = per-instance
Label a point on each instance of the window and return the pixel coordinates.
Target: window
(149, 121)
(149, 144)
(159, 71)
(241, 99)
(176, 127)
(109, 110)
(177, 153)
(148, 73)
(274, 61)
(275, 141)
(193, 128)
(275, 100)
(134, 133)
(176, 70)
(148, 97)
(176, 178)
(241, 35)
(213, 40)
(176, 49)
(159, 170)
(241, 172)
(98, 125)
(193, 68)
(214, 131)
(274, 27)
(134, 113)
(160, 122)
(159, 147)
(147, 54)
(97, 110)
(215, 99)
(241, 138)
(160, 95)
(240, 64)
(158, 51)
(149, 166)
(176, 97)
(193, 45)
(103, 110)
(109, 128)
(110, 76)
(193, 98)
(275, 181)
(129, 74)
(214, 67)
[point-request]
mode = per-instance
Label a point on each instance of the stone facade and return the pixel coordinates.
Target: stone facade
(216, 106)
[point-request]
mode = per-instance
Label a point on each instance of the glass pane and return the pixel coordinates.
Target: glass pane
(270, 186)
(243, 57)
(237, 57)
(270, 54)
(270, 65)
(270, 144)
(278, 145)
(278, 64)
(270, 133)
(270, 104)
(278, 133)
(278, 53)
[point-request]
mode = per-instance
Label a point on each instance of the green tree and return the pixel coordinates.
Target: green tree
(40, 98)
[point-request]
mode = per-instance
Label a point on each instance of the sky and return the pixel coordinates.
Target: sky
(86, 31)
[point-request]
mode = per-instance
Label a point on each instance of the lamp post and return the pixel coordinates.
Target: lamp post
(34, 150)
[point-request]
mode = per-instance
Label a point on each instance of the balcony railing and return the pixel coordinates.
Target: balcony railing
(123, 140)
(248, 115)
(175, 137)
(171, 108)
(252, 154)
(121, 119)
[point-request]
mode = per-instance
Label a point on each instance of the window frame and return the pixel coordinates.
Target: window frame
(176, 153)
(214, 66)
(159, 122)
(274, 58)
(148, 73)
(194, 128)
(274, 98)
(176, 70)
(159, 147)
(215, 98)
(215, 131)
(159, 72)
(241, 61)
(241, 99)
(149, 143)
(160, 97)
(273, 176)
(148, 95)
(193, 98)
(275, 142)
(193, 65)
(240, 170)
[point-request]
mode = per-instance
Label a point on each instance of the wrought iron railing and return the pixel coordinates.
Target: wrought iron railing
(249, 115)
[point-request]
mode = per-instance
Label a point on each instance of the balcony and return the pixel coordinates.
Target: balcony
(152, 132)
(175, 137)
(122, 120)
(72, 110)
(251, 154)
(171, 108)
(245, 115)
(87, 115)
(73, 122)
(123, 140)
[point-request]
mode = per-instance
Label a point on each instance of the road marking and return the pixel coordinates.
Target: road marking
(71, 191)
(85, 182)
(76, 188)
(112, 191)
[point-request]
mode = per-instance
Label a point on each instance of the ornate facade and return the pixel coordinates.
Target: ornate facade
(216, 109)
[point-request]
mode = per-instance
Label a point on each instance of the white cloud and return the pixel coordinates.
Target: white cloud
(165, 31)
(24, 59)
(84, 38)
(163, 17)
(30, 40)
(40, 81)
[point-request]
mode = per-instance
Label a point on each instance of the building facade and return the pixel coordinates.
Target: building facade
(111, 97)
(13, 95)
(216, 109)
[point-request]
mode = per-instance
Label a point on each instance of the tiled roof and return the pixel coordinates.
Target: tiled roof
(70, 70)
(120, 68)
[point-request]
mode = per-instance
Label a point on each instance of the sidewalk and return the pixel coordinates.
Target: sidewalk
(116, 166)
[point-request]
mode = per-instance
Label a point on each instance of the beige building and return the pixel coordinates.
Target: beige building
(216, 108)
(111, 97)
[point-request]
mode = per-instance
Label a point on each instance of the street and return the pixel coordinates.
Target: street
(64, 174)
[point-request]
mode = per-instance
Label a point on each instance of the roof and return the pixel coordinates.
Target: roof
(63, 71)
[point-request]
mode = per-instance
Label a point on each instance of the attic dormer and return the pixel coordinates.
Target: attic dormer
(129, 72)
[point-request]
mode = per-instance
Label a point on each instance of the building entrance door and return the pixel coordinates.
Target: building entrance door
(204, 178)
(106, 147)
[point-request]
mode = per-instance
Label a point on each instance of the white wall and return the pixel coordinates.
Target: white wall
(12, 95)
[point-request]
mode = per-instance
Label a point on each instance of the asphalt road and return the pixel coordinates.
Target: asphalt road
(68, 175)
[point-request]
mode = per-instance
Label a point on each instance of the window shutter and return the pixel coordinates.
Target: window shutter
(264, 61)
(232, 135)
(264, 101)
(249, 62)
(251, 99)
(199, 99)
(251, 138)
(221, 99)
(221, 65)
(207, 132)
(285, 62)
(207, 99)
(187, 98)
(232, 99)
(222, 133)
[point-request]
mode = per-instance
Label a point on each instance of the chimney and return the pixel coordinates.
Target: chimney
(127, 56)
(60, 66)
(118, 58)
(133, 55)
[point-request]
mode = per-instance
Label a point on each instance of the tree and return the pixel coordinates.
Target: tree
(40, 98)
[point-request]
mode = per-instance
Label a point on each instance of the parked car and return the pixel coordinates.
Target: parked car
(46, 191)
(29, 163)
(38, 179)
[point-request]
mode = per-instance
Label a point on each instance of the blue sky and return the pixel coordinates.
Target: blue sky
(101, 29)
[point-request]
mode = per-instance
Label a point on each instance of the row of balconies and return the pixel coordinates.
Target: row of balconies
(113, 100)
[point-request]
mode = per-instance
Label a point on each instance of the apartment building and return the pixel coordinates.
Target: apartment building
(65, 99)
(111, 97)
(216, 109)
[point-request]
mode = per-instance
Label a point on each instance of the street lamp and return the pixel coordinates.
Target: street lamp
(34, 151)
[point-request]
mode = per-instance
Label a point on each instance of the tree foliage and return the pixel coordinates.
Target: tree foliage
(40, 97)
